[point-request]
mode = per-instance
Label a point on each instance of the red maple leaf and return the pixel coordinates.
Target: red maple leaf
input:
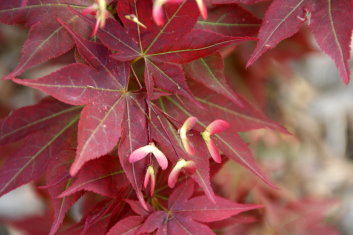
(162, 48)
(102, 88)
(44, 129)
(185, 215)
(324, 17)
(47, 39)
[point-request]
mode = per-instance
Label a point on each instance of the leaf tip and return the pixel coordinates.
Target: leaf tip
(346, 79)
(157, 12)
(150, 177)
(202, 8)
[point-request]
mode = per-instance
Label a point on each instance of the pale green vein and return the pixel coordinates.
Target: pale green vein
(213, 76)
(56, 223)
(221, 24)
(99, 178)
(210, 209)
(165, 75)
(240, 115)
(42, 5)
(41, 45)
(99, 61)
(119, 40)
(130, 144)
(39, 152)
(194, 49)
(183, 109)
(182, 226)
(100, 123)
(277, 26)
(164, 27)
(76, 87)
(335, 33)
(41, 120)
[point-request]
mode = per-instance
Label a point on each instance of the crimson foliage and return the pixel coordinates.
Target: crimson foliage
(118, 119)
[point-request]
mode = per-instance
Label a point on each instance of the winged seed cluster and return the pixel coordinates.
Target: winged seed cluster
(146, 102)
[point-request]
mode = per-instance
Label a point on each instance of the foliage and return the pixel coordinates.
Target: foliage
(146, 103)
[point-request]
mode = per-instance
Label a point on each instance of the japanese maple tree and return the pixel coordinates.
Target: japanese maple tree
(145, 116)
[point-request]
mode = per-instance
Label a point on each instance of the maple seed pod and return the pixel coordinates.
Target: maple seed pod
(157, 11)
(99, 9)
(202, 7)
(214, 128)
(188, 166)
(188, 125)
(150, 177)
(142, 152)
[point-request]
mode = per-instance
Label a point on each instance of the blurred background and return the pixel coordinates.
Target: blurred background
(294, 84)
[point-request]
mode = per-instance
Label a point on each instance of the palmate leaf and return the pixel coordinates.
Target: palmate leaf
(118, 118)
(161, 47)
(48, 125)
(101, 90)
(31, 159)
(99, 126)
(37, 123)
(284, 18)
(230, 20)
(47, 39)
(115, 38)
(185, 215)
